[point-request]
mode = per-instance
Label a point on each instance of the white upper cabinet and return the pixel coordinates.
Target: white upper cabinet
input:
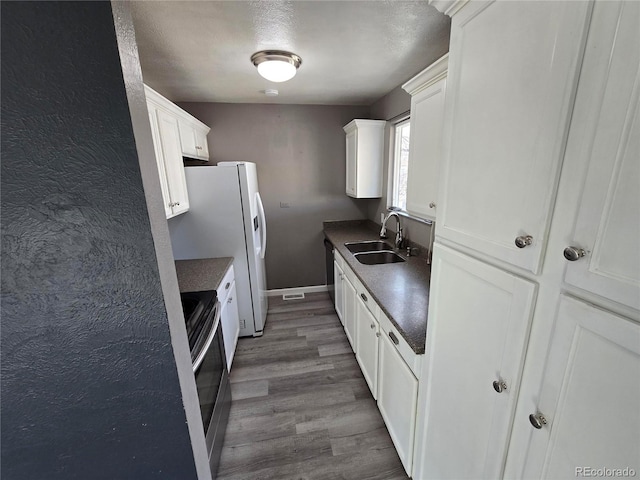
(607, 226)
(193, 138)
(512, 72)
(164, 181)
(166, 144)
(174, 168)
(365, 145)
(167, 127)
(427, 90)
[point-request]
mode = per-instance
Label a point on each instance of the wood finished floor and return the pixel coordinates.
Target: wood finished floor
(301, 408)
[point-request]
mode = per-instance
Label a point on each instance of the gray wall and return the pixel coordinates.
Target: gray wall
(395, 103)
(300, 154)
(89, 381)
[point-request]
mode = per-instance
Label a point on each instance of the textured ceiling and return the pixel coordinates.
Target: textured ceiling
(353, 52)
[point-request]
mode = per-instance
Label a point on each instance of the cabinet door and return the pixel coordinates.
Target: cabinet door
(188, 139)
(230, 324)
(478, 328)
(202, 147)
(367, 335)
(352, 159)
(427, 111)
(397, 400)
(172, 155)
(605, 133)
(193, 141)
(590, 392)
(339, 302)
(349, 312)
(513, 68)
(157, 147)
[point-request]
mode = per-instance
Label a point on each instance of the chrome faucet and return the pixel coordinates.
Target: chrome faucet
(383, 231)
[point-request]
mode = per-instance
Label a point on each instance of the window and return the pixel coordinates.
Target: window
(400, 165)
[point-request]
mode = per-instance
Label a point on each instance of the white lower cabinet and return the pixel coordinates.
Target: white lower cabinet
(349, 312)
(591, 377)
(338, 295)
(367, 335)
(229, 316)
(387, 362)
(477, 332)
(397, 400)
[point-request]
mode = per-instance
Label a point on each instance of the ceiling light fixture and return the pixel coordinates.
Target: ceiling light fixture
(276, 65)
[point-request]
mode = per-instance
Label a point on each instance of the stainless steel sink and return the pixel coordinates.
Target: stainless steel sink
(367, 246)
(377, 258)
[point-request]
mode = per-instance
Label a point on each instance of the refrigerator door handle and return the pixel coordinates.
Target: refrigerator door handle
(263, 226)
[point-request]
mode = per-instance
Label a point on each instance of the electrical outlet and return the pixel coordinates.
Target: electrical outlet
(284, 204)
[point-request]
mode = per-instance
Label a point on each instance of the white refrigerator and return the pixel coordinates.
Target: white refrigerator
(226, 219)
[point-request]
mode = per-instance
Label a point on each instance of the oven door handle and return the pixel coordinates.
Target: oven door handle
(212, 334)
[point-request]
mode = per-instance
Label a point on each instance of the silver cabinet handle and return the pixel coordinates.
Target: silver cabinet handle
(226, 287)
(432, 205)
(176, 204)
(363, 296)
(499, 386)
(524, 241)
(377, 334)
(373, 326)
(198, 148)
(393, 338)
(537, 420)
(230, 300)
(574, 253)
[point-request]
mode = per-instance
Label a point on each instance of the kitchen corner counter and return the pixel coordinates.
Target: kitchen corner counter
(202, 273)
(400, 289)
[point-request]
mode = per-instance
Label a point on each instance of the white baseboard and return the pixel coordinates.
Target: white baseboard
(296, 290)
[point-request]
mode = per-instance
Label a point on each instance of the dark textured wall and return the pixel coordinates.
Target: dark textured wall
(89, 382)
(300, 154)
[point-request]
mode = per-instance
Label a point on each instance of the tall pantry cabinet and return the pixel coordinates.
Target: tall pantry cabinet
(533, 341)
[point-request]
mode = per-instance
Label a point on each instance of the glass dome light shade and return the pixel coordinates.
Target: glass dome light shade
(276, 65)
(277, 70)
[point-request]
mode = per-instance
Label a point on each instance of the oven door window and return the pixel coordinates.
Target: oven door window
(208, 379)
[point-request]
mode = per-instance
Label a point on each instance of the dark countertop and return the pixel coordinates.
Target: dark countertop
(202, 274)
(400, 289)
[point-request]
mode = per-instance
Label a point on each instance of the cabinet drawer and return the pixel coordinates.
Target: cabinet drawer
(224, 289)
(412, 359)
(361, 291)
(367, 300)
